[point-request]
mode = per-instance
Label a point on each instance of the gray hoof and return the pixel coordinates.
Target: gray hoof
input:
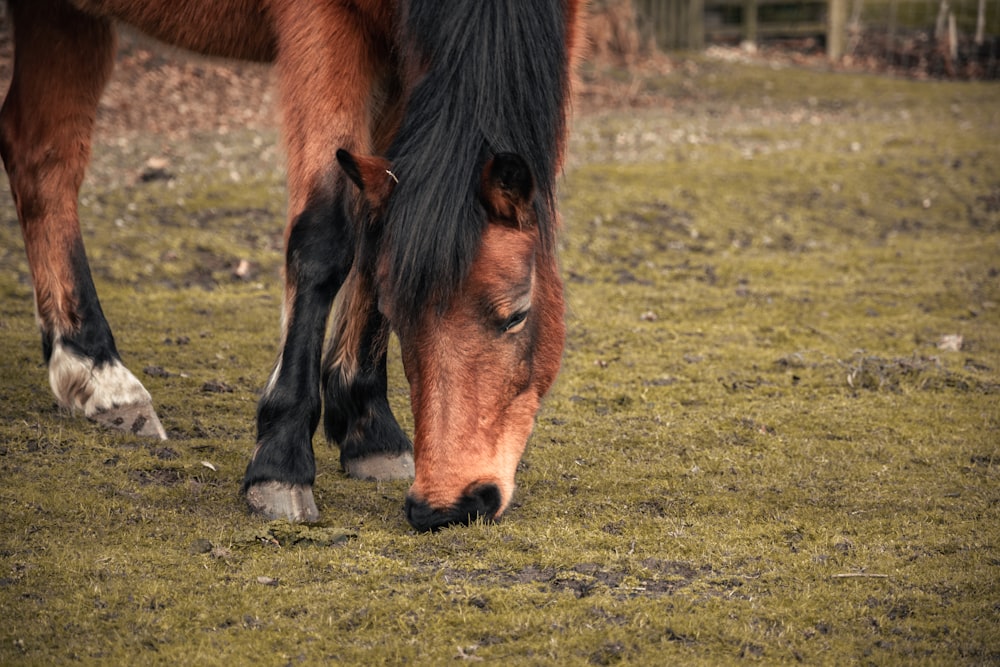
(137, 419)
(381, 467)
(281, 500)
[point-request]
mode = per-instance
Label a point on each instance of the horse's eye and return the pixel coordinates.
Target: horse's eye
(515, 322)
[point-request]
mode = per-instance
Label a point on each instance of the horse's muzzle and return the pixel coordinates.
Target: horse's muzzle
(482, 501)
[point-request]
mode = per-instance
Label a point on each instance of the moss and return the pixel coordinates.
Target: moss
(756, 448)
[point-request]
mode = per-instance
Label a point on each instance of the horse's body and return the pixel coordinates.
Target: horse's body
(448, 240)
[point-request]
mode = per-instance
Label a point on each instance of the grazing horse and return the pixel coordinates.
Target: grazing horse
(423, 140)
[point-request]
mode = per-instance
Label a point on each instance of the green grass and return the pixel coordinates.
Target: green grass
(756, 450)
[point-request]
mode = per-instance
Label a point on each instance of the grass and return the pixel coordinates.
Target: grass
(756, 451)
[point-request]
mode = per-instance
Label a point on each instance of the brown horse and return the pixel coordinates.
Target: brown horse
(448, 240)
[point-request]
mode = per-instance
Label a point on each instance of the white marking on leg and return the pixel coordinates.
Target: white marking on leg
(272, 380)
(79, 385)
(286, 319)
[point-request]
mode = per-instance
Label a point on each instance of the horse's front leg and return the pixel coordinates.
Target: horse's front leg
(358, 416)
(328, 64)
(279, 479)
(63, 59)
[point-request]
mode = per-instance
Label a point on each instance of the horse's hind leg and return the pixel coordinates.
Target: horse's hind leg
(62, 59)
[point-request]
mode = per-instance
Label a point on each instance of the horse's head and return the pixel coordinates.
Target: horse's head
(479, 362)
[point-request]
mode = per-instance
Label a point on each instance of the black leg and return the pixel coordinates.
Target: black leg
(358, 416)
(278, 481)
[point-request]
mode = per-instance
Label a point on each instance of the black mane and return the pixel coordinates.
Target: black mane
(494, 78)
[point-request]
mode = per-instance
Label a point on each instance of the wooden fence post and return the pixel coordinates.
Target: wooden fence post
(980, 23)
(750, 22)
(836, 32)
(696, 25)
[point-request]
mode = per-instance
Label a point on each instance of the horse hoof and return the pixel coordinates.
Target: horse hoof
(138, 419)
(281, 500)
(381, 467)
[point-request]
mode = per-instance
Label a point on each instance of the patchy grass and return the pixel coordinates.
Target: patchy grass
(757, 449)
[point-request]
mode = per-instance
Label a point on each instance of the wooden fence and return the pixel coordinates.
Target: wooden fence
(690, 24)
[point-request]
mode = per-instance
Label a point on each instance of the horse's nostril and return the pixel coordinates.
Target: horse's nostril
(482, 500)
(486, 499)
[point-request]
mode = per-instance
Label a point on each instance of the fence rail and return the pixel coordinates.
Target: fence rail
(691, 24)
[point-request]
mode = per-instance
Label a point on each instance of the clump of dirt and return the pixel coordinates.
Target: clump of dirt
(286, 534)
(917, 372)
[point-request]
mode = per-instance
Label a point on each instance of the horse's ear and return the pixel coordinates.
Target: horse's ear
(507, 188)
(370, 173)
